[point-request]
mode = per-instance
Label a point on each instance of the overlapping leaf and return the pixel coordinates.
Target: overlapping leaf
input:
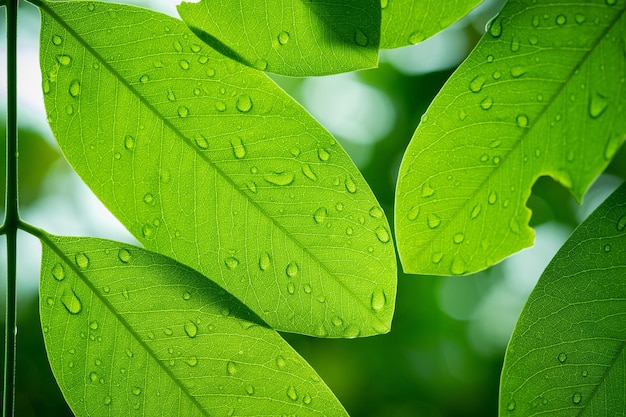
(130, 332)
(406, 22)
(208, 162)
(566, 356)
(290, 37)
(544, 93)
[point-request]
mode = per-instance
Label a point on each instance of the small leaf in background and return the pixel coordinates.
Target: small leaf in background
(542, 94)
(208, 162)
(566, 356)
(290, 37)
(131, 332)
(407, 22)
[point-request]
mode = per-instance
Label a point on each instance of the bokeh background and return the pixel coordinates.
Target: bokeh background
(444, 354)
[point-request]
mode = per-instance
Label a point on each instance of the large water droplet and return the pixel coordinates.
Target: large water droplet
(292, 393)
(191, 329)
(58, 272)
(74, 89)
(283, 37)
(238, 147)
(378, 300)
(308, 172)
(433, 221)
(244, 103)
(458, 267)
(71, 302)
(323, 154)
(382, 234)
(597, 105)
(350, 185)
(292, 269)
(202, 142)
(264, 261)
(320, 215)
(476, 85)
(436, 257)
(82, 260)
(279, 178)
(360, 38)
(220, 106)
(231, 262)
(495, 27)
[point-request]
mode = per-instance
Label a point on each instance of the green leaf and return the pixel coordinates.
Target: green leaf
(130, 332)
(210, 163)
(407, 22)
(290, 37)
(566, 356)
(542, 94)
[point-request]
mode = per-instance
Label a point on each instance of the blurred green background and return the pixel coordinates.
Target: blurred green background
(445, 351)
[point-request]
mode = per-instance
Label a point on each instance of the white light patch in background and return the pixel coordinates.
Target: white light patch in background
(350, 109)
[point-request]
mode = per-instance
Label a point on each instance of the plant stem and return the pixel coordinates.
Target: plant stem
(11, 220)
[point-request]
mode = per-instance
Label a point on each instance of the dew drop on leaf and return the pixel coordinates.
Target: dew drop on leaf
(514, 44)
(244, 103)
(148, 198)
(280, 362)
(350, 185)
(64, 60)
(82, 260)
(378, 300)
(191, 329)
(231, 262)
(475, 211)
(292, 393)
(124, 255)
(376, 212)
(487, 103)
(323, 154)
(107, 400)
(183, 112)
(495, 28)
(477, 83)
(414, 213)
(522, 120)
(239, 150)
(577, 398)
(58, 272)
(433, 221)
(93, 325)
(493, 197)
(307, 288)
(306, 399)
(202, 142)
(171, 96)
(279, 178)
(136, 391)
(382, 234)
(337, 321)
(320, 215)
(458, 267)
(283, 37)
(436, 257)
(291, 288)
(261, 65)
(231, 368)
(292, 269)
(561, 20)
(264, 261)
(147, 230)
(184, 64)
(416, 37)
(129, 142)
(308, 172)
(144, 78)
(220, 106)
(427, 190)
(458, 238)
(562, 357)
(621, 223)
(517, 71)
(511, 405)
(57, 40)
(74, 89)
(360, 38)
(597, 105)
(71, 302)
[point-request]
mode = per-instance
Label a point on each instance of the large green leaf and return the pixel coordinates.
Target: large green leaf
(290, 37)
(566, 356)
(131, 332)
(543, 93)
(407, 22)
(210, 163)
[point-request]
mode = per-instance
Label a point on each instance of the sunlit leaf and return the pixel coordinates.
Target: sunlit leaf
(290, 37)
(208, 162)
(544, 93)
(406, 22)
(566, 356)
(131, 332)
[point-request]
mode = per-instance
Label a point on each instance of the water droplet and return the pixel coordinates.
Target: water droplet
(490, 58)
(57, 40)
(416, 37)
(244, 103)
(191, 329)
(458, 267)
(220, 106)
(337, 321)
(279, 178)
(291, 288)
(433, 221)
(462, 115)
(607, 248)
(517, 72)
(144, 78)
(580, 19)
(458, 238)
(148, 198)
(611, 2)
(147, 230)
(74, 89)
(562, 357)
(64, 60)
(339, 206)
(239, 150)
(577, 398)
(436, 257)
(71, 302)
(496, 160)
(58, 272)
(124, 255)
(360, 38)
(261, 65)
(561, 20)
(477, 83)
(82, 260)
(264, 261)
(283, 37)
(280, 362)
(585, 373)
(376, 212)
(514, 44)
(183, 111)
(292, 393)
(320, 215)
(382, 234)
(171, 96)
(136, 391)
(621, 223)
(493, 197)
(427, 190)
(522, 120)
(191, 361)
(476, 211)
(231, 262)
(177, 46)
(378, 300)
(231, 368)
(413, 214)
(511, 405)
(307, 288)
(184, 64)
(323, 154)
(250, 389)
(202, 142)
(292, 269)
(597, 105)
(495, 27)
(308, 172)
(107, 400)
(487, 103)
(350, 185)
(129, 142)
(295, 151)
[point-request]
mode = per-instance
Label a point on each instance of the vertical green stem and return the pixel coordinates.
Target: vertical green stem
(11, 219)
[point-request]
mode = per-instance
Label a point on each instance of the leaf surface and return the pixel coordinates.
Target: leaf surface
(407, 22)
(543, 93)
(290, 37)
(208, 162)
(130, 332)
(566, 356)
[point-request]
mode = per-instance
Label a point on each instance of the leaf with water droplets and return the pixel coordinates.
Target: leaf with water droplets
(552, 106)
(293, 37)
(142, 344)
(407, 22)
(568, 345)
(225, 174)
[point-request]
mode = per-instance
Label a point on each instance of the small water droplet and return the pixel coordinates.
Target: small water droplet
(607, 248)
(476, 211)
(295, 151)
(136, 391)
(580, 19)
(433, 221)
(621, 223)
(382, 234)
(292, 269)
(487, 103)
(82, 260)
(264, 261)
(585, 373)
(337, 321)
(280, 362)
(261, 65)
(598, 103)
(350, 185)
(378, 300)
(177, 46)
(561, 20)
(291, 288)
(202, 142)
(239, 150)
(496, 160)
(292, 393)
(436, 257)
(57, 40)
(220, 106)
(191, 329)
(249, 389)
(71, 302)
(191, 361)
(64, 60)
(511, 405)
(376, 212)
(283, 37)
(577, 398)
(490, 58)
(308, 172)
(360, 38)
(320, 215)
(517, 71)
(244, 103)
(231, 262)
(279, 178)
(58, 272)
(562, 357)
(514, 44)
(184, 64)
(129, 142)
(495, 27)
(183, 111)
(124, 255)
(462, 114)
(148, 198)
(522, 120)
(147, 230)
(171, 96)
(231, 368)
(493, 197)
(458, 267)
(458, 238)
(144, 78)
(416, 37)
(427, 190)
(74, 89)
(323, 154)
(413, 214)
(476, 85)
